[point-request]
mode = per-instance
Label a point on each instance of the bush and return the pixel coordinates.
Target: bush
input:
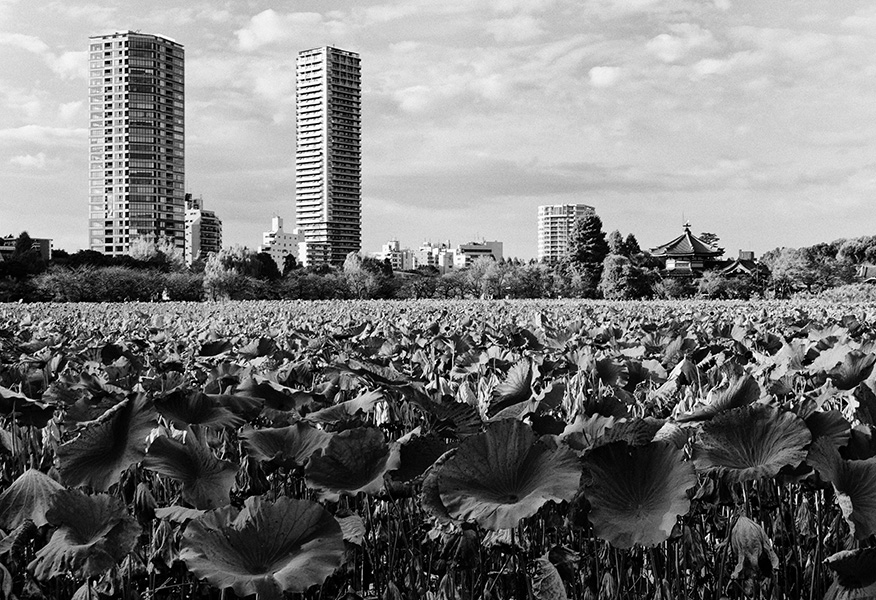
(106, 284)
(184, 286)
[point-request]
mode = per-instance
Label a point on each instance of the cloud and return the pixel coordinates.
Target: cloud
(519, 28)
(44, 135)
(69, 65)
(29, 161)
(269, 27)
(684, 38)
(25, 42)
(604, 76)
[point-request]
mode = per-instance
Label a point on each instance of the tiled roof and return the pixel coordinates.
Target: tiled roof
(687, 244)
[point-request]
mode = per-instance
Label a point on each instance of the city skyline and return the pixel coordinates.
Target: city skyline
(751, 120)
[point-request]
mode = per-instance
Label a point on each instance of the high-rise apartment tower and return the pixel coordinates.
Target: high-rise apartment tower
(555, 224)
(328, 171)
(136, 142)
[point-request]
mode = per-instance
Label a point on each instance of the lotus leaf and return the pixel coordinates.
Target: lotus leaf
(637, 493)
(736, 393)
(107, 446)
(417, 455)
(855, 569)
(93, 534)
(288, 447)
(206, 480)
(267, 548)
(365, 403)
(504, 475)
(27, 498)
(25, 410)
(854, 369)
(353, 461)
(855, 485)
(430, 496)
(753, 548)
(196, 408)
(546, 581)
(831, 425)
(752, 442)
(516, 388)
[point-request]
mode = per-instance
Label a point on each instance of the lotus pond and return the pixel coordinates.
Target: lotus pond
(438, 450)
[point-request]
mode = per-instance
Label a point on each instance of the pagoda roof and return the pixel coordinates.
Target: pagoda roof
(687, 245)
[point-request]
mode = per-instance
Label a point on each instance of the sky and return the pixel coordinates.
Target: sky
(751, 119)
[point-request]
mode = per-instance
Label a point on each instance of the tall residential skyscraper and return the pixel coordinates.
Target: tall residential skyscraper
(328, 171)
(555, 223)
(137, 143)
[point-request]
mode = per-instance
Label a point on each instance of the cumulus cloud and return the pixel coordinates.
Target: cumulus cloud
(25, 42)
(69, 65)
(604, 76)
(685, 37)
(28, 161)
(269, 27)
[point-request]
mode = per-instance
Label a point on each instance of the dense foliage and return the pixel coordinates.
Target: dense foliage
(438, 450)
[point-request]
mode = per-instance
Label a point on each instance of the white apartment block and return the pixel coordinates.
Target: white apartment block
(279, 243)
(136, 140)
(555, 224)
(203, 231)
(401, 259)
(328, 169)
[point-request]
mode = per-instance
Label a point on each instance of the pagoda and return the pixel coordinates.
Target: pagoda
(687, 255)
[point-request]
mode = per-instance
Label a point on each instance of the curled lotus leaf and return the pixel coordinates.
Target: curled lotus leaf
(288, 447)
(735, 393)
(430, 496)
(108, 445)
(637, 493)
(266, 549)
(830, 425)
(353, 461)
(364, 403)
(546, 581)
(854, 482)
(196, 408)
(504, 475)
(752, 442)
(516, 388)
(855, 368)
(855, 569)
(93, 534)
(753, 548)
(585, 432)
(27, 498)
(206, 480)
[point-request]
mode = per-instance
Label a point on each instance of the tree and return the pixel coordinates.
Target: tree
(229, 274)
(587, 249)
(616, 243)
(290, 263)
(623, 279)
(267, 267)
(362, 282)
(631, 246)
(709, 238)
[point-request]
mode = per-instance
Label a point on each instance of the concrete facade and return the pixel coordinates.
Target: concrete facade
(555, 224)
(279, 243)
(203, 231)
(136, 140)
(328, 169)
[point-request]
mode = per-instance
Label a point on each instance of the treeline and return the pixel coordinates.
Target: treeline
(597, 266)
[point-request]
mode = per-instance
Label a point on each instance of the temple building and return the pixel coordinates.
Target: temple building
(687, 255)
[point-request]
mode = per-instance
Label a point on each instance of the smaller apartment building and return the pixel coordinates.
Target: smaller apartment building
(203, 230)
(279, 244)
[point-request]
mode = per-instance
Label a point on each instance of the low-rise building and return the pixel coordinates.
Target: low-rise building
(687, 255)
(465, 254)
(401, 259)
(279, 244)
(7, 247)
(203, 230)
